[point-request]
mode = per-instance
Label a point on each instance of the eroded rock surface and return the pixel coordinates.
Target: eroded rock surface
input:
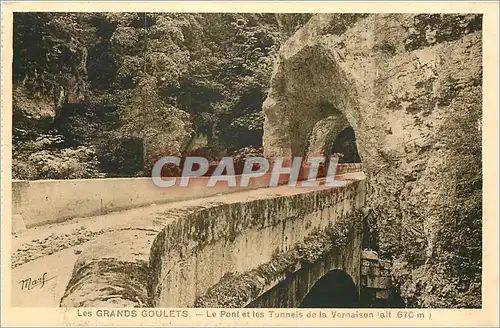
(410, 87)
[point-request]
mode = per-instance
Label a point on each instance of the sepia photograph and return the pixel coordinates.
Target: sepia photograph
(168, 161)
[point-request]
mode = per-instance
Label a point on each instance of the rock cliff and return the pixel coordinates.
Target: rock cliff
(410, 87)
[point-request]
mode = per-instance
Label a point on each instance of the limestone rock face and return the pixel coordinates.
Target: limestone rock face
(38, 97)
(410, 87)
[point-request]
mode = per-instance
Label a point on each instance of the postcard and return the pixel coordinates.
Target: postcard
(250, 163)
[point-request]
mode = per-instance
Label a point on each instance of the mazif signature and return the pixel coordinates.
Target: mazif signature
(30, 283)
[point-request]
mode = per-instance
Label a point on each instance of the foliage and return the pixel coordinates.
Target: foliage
(290, 23)
(239, 156)
(68, 163)
(43, 158)
(47, 47)
(122, 157)
(157, 78)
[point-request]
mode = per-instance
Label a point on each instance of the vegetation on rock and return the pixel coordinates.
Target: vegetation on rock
(238, 290)
(120, 90)
(409, 85)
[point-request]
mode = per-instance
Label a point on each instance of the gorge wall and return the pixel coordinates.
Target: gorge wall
(410, 87)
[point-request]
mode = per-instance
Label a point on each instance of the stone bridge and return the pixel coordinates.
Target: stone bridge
(265, 247)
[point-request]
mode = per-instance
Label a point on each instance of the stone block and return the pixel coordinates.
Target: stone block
(370, 270)
(386, 264)
(378, 282)
(384, 273)
(382, 294)
(370, 255)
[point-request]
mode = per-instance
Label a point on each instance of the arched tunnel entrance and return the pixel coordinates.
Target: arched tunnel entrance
(331, 134)
(345, 144)
(336, 289)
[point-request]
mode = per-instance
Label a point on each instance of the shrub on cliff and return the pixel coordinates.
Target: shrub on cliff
(159, 77)
(68, 163)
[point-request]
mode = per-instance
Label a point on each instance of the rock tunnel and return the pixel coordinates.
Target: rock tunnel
(307, 122)
(408, 101)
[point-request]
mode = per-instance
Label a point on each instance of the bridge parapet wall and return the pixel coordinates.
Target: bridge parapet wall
(40, 202)
(193, 255)
(175, 263)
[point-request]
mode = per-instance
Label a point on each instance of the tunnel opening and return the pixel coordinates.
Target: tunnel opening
(332, 135)
(336, 289)
(345, 144)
